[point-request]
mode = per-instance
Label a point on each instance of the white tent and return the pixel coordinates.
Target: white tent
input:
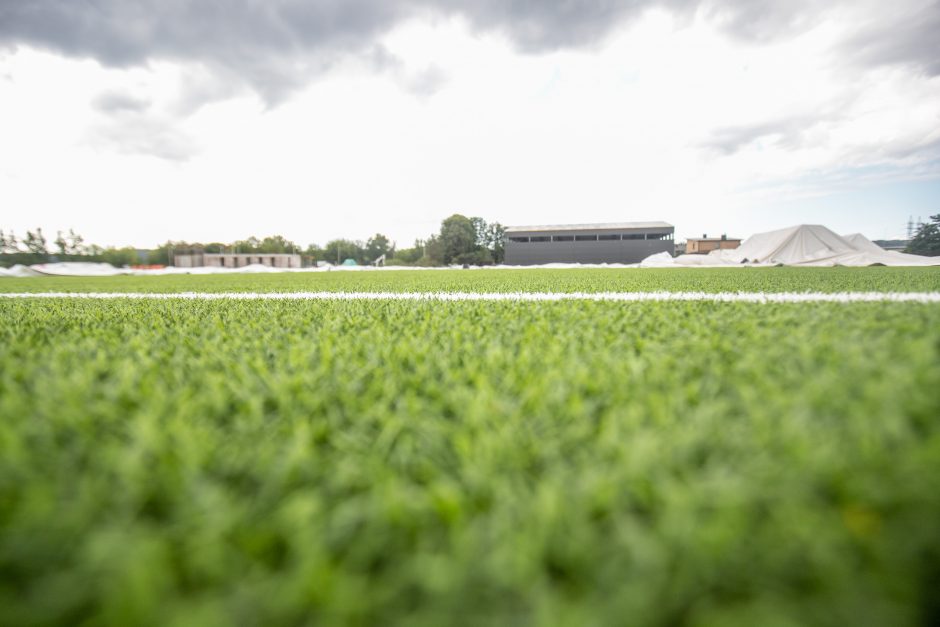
(76, 268)
(805, 245)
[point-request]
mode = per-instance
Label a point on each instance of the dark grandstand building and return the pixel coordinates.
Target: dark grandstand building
(619, 242)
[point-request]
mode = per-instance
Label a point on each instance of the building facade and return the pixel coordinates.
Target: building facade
(704, 245)
(237, 260)
(619, 242)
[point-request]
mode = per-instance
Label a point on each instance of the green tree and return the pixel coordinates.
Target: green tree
(480, 228)
(495, 241)
(8, 243)
(433, 254)
(278, 244)
(314, 253)
(271, 244)
(489, 239)
(377, 246)
(250, 245)
(407, 256)
(339, 250)
(35, 242)
(160, 255)
(478, 257)
(61, 243)
(927, 239)
(118, 257)
(458, 237)
(75, 243)
(163, 254)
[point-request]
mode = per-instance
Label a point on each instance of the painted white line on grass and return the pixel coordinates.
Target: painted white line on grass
(721, 297)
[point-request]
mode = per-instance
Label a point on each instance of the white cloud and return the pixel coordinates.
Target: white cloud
(668, 118)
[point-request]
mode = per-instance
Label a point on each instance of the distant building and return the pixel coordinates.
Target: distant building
(704, 245)
(236, 260)
(619, 242)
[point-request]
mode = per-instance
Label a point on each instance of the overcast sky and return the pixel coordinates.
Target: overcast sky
(138, 122)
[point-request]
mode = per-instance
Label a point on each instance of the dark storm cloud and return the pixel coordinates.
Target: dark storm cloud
(908, 38)
(762, 20)
(272, 46)
(539, 25)
(251, 33)
(275, 46)
(122, 33)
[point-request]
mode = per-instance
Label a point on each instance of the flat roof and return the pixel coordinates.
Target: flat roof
(713, 239)
(606, 226)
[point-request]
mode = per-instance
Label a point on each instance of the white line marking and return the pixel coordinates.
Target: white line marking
(722, 297)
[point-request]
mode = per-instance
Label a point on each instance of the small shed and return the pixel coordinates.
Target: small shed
(705, 244)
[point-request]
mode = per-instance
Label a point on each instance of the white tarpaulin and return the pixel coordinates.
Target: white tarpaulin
(860, 242)
(803, 245)
(83, 268)
(18, 271)
(76, 268)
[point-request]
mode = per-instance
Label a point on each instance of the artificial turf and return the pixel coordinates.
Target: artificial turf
(743, 279)
(416, 463)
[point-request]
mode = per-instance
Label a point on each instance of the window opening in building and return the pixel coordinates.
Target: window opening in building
(563, 238)
(585, 238)
(608, 237)
(540, 238)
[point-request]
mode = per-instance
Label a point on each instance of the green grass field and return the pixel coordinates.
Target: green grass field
(189, 462)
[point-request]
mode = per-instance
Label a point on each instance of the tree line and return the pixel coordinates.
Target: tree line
(35, 248)
(927, 239)
(460, 240)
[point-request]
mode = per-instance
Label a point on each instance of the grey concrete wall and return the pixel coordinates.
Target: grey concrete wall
(227, 260)
(188, 260)
(240, 260)
(601, 251)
